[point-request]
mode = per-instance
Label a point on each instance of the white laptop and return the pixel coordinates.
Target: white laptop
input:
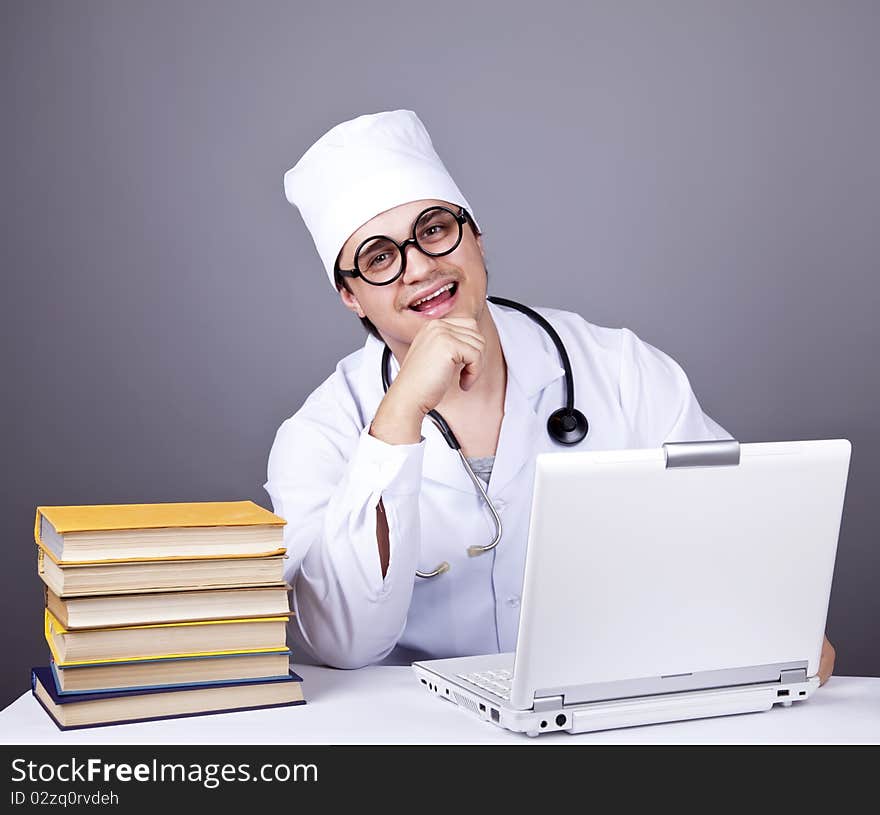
(666, 584)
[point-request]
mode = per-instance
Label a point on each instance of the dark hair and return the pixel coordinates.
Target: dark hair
(342, 282)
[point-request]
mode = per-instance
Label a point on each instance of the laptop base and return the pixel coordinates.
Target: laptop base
(592, 716)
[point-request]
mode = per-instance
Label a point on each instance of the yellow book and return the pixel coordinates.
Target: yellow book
(150, 608)
(147, 673)
(122, 533)
(163, 640)
(78, 579)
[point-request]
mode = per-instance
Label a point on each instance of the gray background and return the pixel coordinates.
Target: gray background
(705, 173)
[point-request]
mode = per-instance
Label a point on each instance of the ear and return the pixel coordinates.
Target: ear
(351, 302)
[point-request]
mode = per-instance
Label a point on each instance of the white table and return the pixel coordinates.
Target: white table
(386, 704)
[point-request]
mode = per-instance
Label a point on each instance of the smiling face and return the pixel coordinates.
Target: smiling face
(455, 283)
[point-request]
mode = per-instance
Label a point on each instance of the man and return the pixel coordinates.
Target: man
(373, 495)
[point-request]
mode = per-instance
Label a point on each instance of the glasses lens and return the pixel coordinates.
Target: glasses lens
(378, 260)
(438, 232)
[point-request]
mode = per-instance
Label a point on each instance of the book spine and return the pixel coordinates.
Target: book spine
(139, 660)
(169, 686)
(61, 629)
(37, 528)
(154, 657)
(280, 551)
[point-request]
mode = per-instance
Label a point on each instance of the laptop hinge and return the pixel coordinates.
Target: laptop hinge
(548, 703)
(799, 675)
(701, 454)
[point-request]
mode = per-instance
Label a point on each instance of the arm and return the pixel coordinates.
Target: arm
(382, 538)
(326, 477)
(656, 393)
(351, 498)
(826, 661)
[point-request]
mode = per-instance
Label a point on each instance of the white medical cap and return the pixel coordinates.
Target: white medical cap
(360, 169)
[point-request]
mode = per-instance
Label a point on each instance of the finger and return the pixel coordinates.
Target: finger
(467, 344)
(463, 331)
(469, 375)
(471, 371)
(465, 321)
(826, 661)
(433, 330)
(467, 354)
(441, 323)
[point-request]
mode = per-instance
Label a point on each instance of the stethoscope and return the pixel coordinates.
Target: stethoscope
(566, 425)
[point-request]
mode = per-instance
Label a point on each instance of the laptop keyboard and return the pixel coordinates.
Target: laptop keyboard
(496, 682)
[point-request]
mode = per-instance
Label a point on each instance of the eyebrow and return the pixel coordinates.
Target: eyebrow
(381, 241)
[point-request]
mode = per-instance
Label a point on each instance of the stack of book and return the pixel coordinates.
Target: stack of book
(162, 610)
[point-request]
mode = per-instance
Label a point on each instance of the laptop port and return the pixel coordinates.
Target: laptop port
(482, 707)
(496, 716)
(782, 692)
(560, 720)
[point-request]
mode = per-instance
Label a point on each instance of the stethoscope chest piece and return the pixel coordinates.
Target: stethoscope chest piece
(568, 426)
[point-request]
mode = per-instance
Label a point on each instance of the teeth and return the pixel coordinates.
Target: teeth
(447, 287)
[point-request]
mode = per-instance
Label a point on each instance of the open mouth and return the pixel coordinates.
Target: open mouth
(436, 299)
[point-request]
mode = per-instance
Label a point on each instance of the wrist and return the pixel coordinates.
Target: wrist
(396, 421)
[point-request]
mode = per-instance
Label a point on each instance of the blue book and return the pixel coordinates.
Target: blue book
(148, 704)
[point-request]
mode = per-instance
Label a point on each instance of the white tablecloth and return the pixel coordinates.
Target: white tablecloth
(385, 704)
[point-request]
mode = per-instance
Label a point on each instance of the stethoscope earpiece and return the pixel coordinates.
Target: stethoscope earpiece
(568, 426)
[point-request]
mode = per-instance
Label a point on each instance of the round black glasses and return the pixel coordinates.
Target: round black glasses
(380, 260)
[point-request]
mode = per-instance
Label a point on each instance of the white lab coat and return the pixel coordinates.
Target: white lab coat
(326, 475)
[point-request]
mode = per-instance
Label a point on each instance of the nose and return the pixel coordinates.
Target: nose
(417, 265)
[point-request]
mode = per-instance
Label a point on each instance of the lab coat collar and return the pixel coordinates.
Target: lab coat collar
(532, 365)
(531, 357)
